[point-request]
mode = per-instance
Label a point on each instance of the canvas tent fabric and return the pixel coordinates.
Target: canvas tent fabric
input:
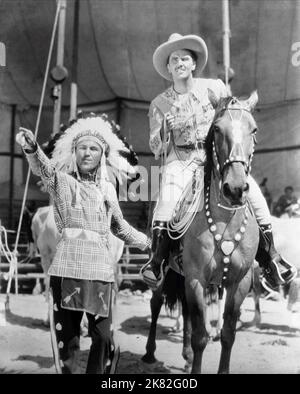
(115, 72)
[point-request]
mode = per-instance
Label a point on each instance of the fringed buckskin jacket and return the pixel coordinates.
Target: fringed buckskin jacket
(193, 114)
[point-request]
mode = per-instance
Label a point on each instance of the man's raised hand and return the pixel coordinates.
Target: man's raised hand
(26, 139)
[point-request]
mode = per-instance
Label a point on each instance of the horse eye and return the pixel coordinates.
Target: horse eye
(216, 129)
(254, 131)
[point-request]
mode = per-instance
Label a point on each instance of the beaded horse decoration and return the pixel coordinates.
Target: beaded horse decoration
(221, 243)
(236, 155)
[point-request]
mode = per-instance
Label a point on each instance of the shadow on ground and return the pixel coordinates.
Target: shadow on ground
(42, 362)
(129, 363)
(132, 363)
(25, 321)
(138, 325)
(272, 329)
(4, 371)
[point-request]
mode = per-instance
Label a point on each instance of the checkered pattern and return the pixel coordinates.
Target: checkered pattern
(83, 205)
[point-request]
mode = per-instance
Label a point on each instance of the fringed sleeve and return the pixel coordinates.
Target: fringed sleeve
(120, 227)
(42, 166)
(156, 120)
(39, 163)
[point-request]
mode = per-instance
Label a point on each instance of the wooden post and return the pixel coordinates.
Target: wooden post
(2, 303)
(119, 111)
(12, 166)
(226, 39)
(73, 100)
(2, 54)
(58, 72)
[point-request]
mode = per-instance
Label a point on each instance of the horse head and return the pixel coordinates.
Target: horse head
(230, 147)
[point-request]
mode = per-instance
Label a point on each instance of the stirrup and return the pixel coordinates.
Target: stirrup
(289, 274)
(276, 266)
(149, 278)
(267, 286)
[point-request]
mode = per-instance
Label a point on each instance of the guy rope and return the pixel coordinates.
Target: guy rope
(12, 257)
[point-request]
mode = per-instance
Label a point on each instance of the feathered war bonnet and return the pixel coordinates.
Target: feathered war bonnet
(116, 158)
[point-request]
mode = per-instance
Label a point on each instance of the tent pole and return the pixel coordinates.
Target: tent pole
(119, 109)
(2, 55)
(226, 39)
(12, 165)
(73, 101)
(59, 64)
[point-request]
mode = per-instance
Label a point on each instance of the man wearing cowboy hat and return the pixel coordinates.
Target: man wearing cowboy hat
(180, 118)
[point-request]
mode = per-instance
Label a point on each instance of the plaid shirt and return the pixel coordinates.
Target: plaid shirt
(84, 214)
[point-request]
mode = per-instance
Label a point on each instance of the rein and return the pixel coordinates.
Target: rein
(226, 246)
(237, 154)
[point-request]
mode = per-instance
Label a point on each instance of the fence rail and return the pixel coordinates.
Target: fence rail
(128, 267)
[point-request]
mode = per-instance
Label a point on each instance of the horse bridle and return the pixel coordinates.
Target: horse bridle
(237, 152)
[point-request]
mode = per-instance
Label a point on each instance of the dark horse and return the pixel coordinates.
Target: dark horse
(221, 243)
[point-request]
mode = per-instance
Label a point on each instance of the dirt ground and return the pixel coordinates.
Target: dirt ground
(274, 348)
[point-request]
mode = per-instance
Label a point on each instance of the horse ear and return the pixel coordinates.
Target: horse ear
(252, 100)
(213, 98)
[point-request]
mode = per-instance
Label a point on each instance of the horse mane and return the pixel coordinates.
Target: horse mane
(208, 144)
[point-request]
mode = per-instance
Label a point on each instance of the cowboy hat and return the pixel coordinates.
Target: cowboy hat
(175, 42)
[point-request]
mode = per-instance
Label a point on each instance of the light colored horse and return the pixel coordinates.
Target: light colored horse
(46, 237)
(286, 237)
(293, 303)
(292, 211)
(286, 231)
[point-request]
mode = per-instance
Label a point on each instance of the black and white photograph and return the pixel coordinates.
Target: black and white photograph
(149, 189)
